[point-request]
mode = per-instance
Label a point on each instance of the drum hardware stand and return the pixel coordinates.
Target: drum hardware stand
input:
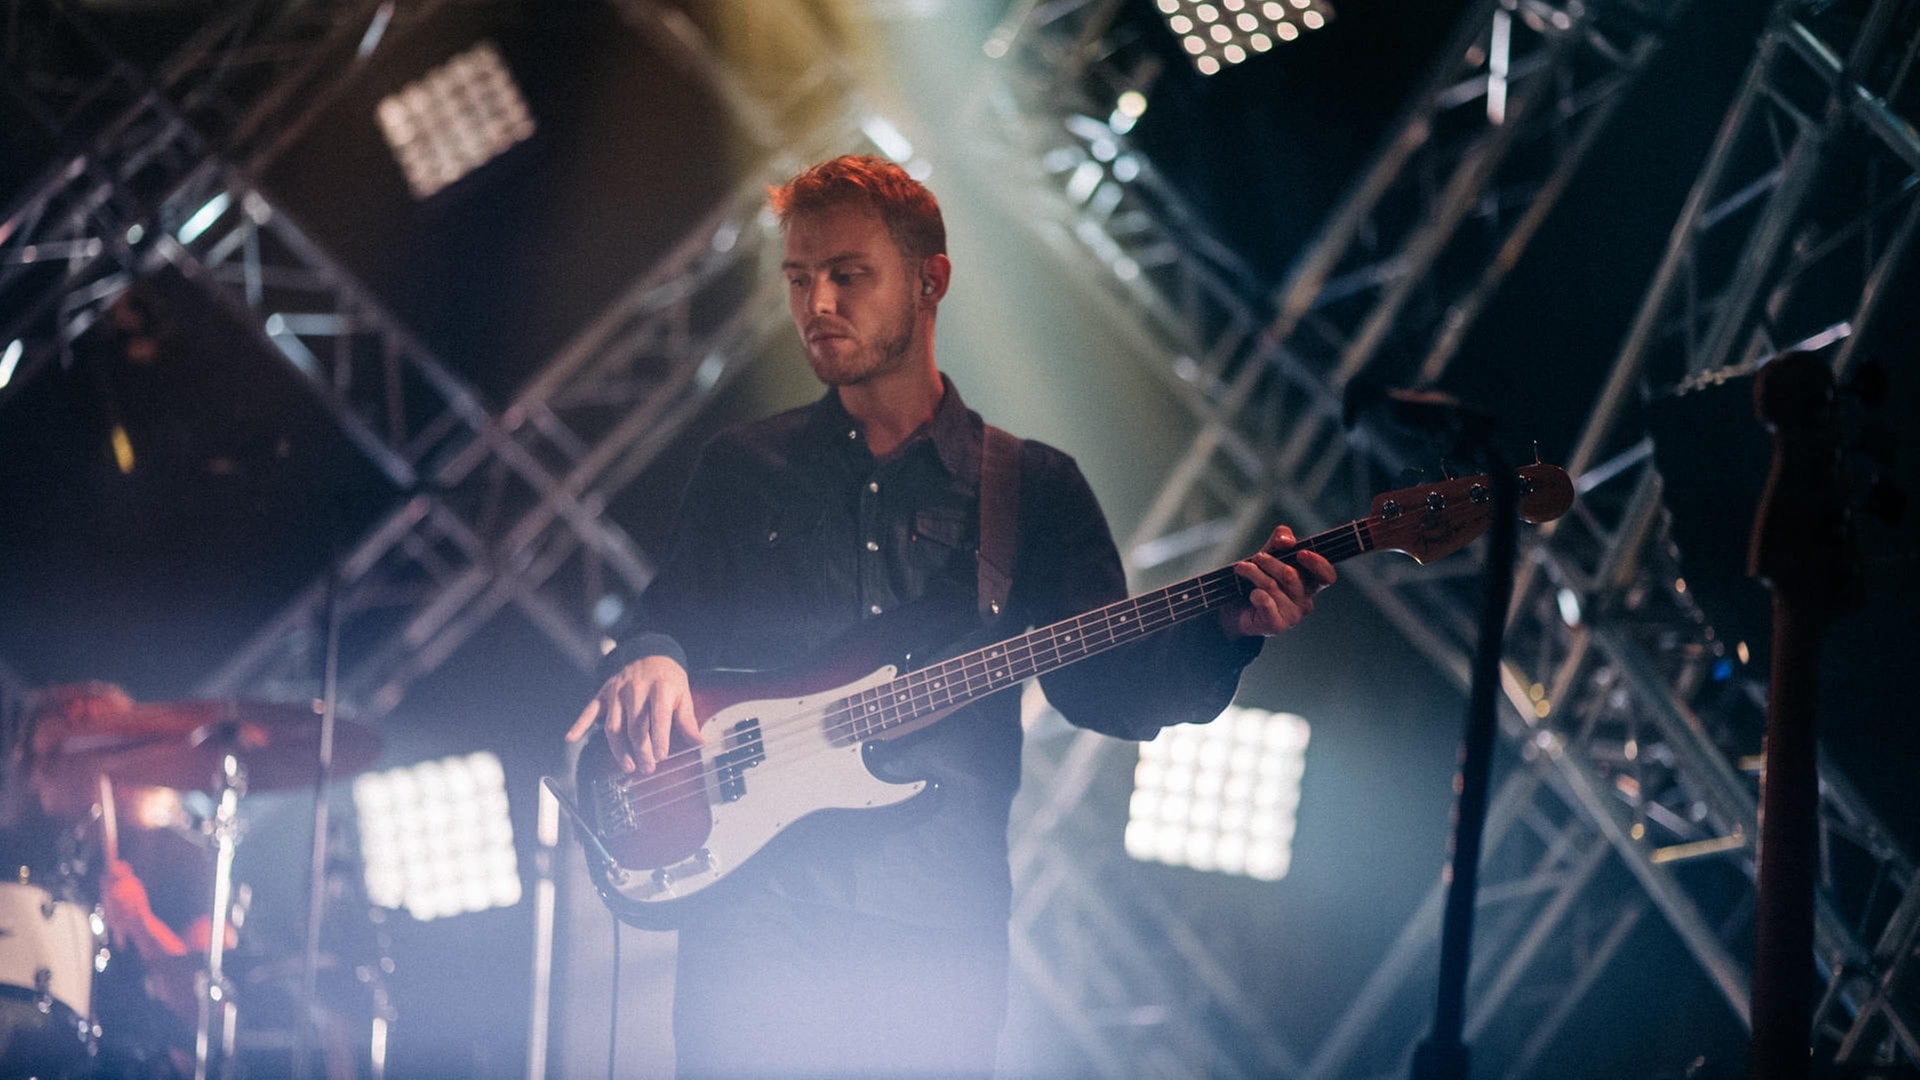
(213, 1037)
(545, 899)
(317, 853)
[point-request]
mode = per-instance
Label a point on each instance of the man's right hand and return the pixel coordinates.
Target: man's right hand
(643, 705)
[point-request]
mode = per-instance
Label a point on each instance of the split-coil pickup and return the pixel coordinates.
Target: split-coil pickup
(745, 749)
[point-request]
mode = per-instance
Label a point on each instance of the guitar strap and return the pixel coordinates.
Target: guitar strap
(999, 519)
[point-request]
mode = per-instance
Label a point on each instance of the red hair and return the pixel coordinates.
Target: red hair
(908, 209)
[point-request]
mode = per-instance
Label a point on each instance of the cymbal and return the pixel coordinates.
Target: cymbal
(181, 745)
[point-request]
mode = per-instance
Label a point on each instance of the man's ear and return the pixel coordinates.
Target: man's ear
(936, 273)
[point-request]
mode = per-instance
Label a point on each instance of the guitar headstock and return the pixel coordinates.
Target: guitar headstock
(1803, 541)
(1429, 521)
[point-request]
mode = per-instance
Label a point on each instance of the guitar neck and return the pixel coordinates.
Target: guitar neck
(969, 676)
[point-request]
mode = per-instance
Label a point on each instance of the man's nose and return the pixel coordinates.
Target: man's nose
(821, 298)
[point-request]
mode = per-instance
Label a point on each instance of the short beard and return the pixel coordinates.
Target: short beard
(889, 355)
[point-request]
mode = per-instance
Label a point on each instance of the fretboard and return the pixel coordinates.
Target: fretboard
(969, 676)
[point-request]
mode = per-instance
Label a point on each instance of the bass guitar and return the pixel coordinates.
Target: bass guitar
(785, 745)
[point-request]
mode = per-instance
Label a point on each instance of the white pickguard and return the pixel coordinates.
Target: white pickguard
(803, 771)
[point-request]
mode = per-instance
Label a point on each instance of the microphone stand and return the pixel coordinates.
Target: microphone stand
(1442, 1055)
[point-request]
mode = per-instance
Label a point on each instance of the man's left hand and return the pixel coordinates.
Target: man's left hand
(1282, 592)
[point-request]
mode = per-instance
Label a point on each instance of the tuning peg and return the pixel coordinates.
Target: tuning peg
(1536, 452)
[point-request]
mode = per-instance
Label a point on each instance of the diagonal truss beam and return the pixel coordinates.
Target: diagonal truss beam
(1241, 371)
(498, 510)
(1757, 264)
(518, 518)
(1466, 176)
(1631, 712)
(249, 82)
(500, 506)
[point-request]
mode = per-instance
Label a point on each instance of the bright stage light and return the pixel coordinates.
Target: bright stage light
(1220, 796)
(435, 837)
(203, 218)
(1127, 111)
(1219, 33)
(454, 119)
(10, 360)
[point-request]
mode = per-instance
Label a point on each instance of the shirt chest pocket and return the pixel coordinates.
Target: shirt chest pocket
(948, 529)
(787, 528)
(940, 546)
(784, 548)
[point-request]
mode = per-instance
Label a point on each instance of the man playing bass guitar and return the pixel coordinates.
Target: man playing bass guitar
(875, 942)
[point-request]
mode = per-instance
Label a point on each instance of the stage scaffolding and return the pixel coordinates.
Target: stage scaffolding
(494, 508)
(1621, 703)
(1631, 746)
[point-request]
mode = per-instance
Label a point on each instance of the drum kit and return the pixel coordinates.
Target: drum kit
(55, 922)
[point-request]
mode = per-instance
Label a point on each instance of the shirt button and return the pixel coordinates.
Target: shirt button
(873, 545)
(873, 609)
(873, 486)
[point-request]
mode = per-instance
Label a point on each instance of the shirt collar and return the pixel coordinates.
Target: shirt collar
(957, 434)
(956, 431)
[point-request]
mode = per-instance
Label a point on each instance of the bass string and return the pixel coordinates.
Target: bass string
(840, 719)
(690, 784)
(985, 670)
(1335, 544)
(959, 680)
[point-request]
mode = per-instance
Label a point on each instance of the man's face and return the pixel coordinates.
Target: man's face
(853, 295)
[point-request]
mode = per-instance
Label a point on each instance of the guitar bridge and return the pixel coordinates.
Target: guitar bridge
(745, 749)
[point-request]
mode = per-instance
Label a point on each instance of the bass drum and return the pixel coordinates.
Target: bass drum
(47, 953)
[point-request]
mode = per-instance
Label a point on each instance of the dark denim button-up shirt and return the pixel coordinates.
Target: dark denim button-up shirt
(792, 535)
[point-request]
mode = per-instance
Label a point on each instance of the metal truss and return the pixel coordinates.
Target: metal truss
(1471, 171)
(1132, 1001)
(496, 509)
(1622, 711)
(1131, 983)
(1634, 717)
(1802, 213)
(403, 407)
(1041, 115)
(1538, 912)
(126, 142)
(515, 515)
